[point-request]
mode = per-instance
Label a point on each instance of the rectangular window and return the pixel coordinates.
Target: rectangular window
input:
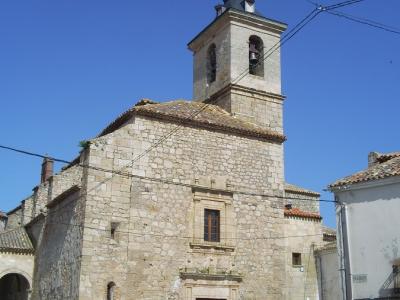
(211, 225)
(296, 259)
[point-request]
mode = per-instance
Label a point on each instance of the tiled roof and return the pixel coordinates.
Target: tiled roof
(389, 168)
(381, 158)
(299, 190)
(15, 240)
(295, 212)
(197, 114)
(328, 231)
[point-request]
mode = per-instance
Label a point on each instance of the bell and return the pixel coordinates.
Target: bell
(253, 54)
(253, 57)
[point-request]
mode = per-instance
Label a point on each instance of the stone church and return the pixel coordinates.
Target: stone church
(177, 200)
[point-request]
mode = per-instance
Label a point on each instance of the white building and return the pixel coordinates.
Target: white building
(369, 229)
(328, 271)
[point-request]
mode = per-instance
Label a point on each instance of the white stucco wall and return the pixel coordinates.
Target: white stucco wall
(327, 263)
(373, 235)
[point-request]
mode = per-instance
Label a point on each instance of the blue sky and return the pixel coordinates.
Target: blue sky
(68, 68)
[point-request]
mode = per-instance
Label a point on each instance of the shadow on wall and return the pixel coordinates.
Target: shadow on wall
(391, 287)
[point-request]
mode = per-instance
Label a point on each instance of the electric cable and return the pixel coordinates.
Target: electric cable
(167, 181)
(365, 21)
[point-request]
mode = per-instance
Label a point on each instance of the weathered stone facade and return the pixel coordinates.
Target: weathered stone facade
(254, 98)
(129, 213)
(157, 220)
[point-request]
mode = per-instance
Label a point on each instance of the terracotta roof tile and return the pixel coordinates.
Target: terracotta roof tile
(387, 156)
(198, 114)
(389, 168)
(296, 212)
(299, 190)
(15, 240)
(328, 231)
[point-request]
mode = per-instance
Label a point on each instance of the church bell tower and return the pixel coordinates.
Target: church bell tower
(233, 67)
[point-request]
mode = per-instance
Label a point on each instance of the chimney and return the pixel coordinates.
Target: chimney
(47, 169)
(373, 159)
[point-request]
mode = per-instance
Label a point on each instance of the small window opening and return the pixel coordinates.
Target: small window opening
(296, 259)
(256, 56)
(111, 291)
(113, 229)
(212, 64)
(211, 225)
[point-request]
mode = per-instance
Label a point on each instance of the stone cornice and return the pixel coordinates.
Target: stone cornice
(63, 196)
(272, 136)
(240, 88)
(238, 17)
(210, 276)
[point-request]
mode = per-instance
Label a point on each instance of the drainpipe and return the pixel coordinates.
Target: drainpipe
(344, 253)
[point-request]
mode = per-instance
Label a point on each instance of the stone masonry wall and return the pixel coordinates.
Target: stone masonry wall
(153, 242)
(27, 209)
(264, 110)
(271, 82)
(14, 219)
(35, 204)
(304, 202)
(303, 236)
(232, 42)
(201, 89)
(57, 261)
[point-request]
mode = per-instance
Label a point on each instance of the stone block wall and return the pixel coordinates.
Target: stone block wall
(152, 246)
(27, 209)
(15, 218)
(305, 202)
(58, 255)
(201, 89)
(303, 236)
(271, 81)
(257, 107)
(231, 33)
(35, 204)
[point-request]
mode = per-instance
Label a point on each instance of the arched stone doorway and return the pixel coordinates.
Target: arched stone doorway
(14, 286)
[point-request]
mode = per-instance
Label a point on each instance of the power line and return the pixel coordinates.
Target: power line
(278, 45)
(365, 22)
(341, 4)
(299, 26)
(33, 154)
(183, 237)
(289, 35)
(167, 181)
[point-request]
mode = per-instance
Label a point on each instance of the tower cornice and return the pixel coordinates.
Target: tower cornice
(234, 16)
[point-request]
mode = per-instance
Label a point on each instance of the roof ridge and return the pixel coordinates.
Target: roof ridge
(209, 118)
(374, 172)
(298, 189)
